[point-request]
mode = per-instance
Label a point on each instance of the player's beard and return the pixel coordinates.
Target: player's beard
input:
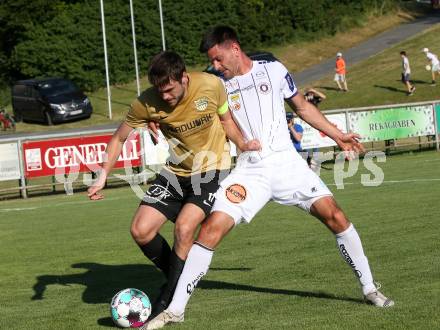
(230, 73)
(175, 101)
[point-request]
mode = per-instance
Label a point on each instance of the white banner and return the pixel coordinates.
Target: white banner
(9, 162)
(312, 138)
(155, 154)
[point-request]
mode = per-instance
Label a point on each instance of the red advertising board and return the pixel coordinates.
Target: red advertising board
(72, 155)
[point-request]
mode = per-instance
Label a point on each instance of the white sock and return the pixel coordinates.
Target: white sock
(350, 247)
(196, 266)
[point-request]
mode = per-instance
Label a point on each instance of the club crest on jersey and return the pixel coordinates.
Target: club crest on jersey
(236, 193)
(201, 104)
(264, 88)
(235, 101)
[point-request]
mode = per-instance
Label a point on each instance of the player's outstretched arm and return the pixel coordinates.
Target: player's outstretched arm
(315, 92)
(234, 134)
(310, 114)
(114, 148)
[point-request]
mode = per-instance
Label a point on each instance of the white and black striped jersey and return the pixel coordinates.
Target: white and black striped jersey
(256, 100)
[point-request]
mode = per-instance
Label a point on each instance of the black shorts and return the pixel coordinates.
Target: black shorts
(168, 193)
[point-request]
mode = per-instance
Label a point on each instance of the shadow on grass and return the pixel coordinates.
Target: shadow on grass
(216, 285)
(421, 82)
(392, 89)
(103, 281)
(328, 88)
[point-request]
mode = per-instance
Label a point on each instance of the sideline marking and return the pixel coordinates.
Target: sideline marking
(388, 181)
(18, 209)
(57, 204)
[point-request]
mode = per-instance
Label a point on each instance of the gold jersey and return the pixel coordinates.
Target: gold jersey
(193, 129)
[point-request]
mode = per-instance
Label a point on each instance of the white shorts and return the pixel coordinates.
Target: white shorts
(283, 177)
(339, 77)
(435, 68)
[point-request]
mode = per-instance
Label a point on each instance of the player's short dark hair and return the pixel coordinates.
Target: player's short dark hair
(403, 53)
(217, 36)
(166, 66)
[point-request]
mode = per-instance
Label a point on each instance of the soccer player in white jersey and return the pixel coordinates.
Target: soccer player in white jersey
(256, 94)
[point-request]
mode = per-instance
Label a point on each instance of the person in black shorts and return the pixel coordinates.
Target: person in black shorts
(192, 111)
(406, 72)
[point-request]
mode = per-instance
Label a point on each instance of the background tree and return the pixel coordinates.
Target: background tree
(64, 38)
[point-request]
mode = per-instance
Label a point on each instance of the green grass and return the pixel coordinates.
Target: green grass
(282, 271)
(376, 81)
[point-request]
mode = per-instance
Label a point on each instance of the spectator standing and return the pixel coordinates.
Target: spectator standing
(406, 72)
(434, 63)
(340, 73)
(315, 97)
(296, 132)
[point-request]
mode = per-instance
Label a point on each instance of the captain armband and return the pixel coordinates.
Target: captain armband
(223, 109)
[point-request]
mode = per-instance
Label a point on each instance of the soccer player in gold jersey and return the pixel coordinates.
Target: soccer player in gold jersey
(192, 112)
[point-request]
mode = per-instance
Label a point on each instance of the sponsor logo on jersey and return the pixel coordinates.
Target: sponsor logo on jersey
(201, 104)
(193, 126)
(347, 257)
(235, 97)
(264, 88)
(260, 74)
(248, 88)
(234, 101)
(236, 193)
(290, 82)
(191, 285)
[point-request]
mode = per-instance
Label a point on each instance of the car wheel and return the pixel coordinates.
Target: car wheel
(49, 120)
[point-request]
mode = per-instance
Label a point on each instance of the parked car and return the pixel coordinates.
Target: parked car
(49, 100)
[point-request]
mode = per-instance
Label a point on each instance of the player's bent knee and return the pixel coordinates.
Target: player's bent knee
(184, 233)
(337, 221)
(209, 237)
(212, 232)
(141, 234)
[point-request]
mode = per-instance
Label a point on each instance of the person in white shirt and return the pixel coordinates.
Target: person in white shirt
(434, 63)
(406, 72)
(256, 93)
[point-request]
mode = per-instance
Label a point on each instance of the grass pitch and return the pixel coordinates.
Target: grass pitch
(63, 258)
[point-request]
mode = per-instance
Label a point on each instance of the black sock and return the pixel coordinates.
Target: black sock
(176, 267)
(159, 252)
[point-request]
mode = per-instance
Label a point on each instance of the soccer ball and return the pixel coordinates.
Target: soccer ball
(428, 67)
(130, 308)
